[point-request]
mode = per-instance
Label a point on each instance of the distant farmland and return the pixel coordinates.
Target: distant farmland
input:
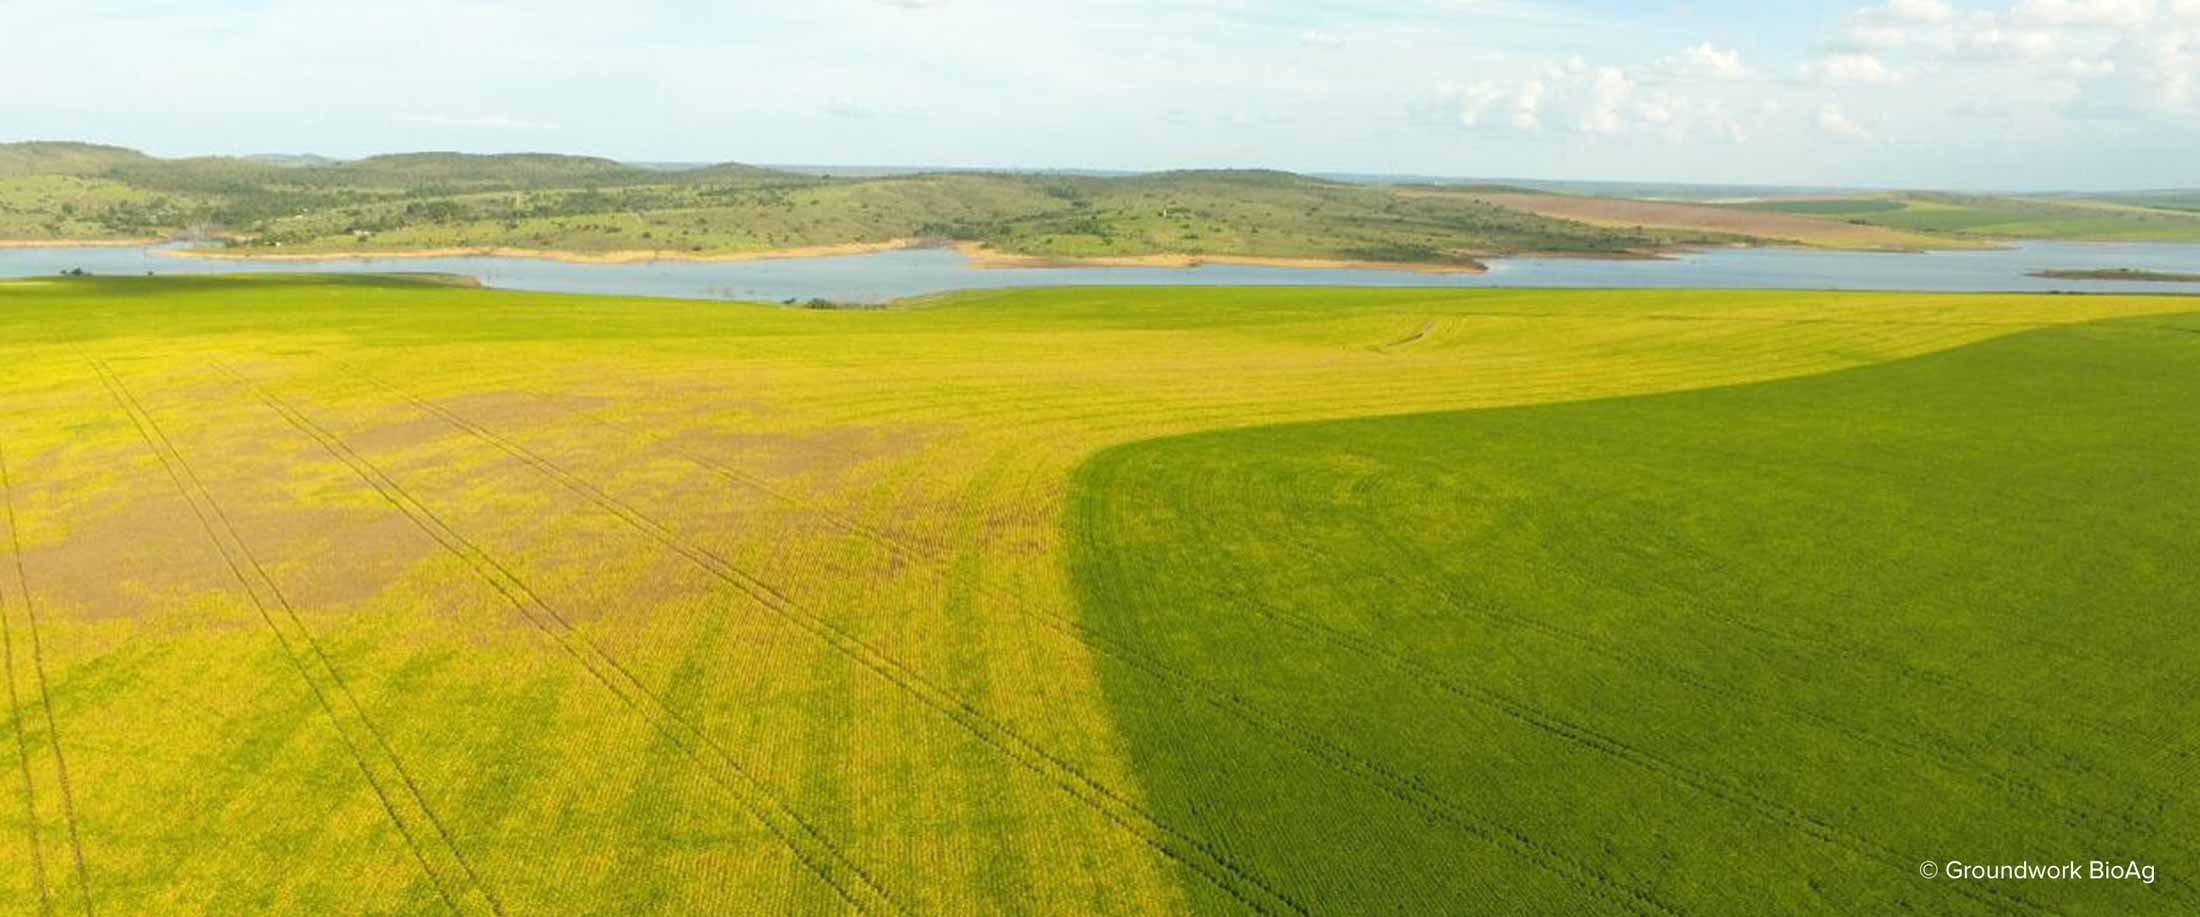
(376, 594)
(1798, 228)
(2108, 218)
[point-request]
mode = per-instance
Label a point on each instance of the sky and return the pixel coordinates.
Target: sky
(1996, 94)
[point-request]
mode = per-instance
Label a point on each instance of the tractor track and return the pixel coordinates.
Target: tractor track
(1398, 786)
(1401, 787)
(1204, 859)
(208, 512)
(1390, 782)
(817, 854)
(15, 709)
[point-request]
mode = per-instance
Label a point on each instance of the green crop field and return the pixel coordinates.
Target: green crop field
(387, 595)
(1751, 650)
(2105, 219)
(1836, 207)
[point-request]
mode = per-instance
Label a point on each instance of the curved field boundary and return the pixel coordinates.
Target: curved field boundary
(1202, 858)
(1383, 551)
(446, 867)
(1405, 787)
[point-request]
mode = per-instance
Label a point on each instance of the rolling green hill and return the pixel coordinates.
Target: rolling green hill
(41, 157)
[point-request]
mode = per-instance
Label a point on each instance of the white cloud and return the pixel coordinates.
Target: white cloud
(1473, 101)
(2124, 59)
(1607, 94)
(1708, 61)
(1690, 95)
(1996, 41)
(2108, 13)
(2098, 58)
(2157, 71)
(1852, 68)
(1925, 11)
(1315, 38)
(1834, 122)
(1943, 31)
(1528, 106)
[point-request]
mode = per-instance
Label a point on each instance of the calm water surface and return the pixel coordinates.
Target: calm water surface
(887, 275)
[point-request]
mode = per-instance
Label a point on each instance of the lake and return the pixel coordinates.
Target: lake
(887, 275)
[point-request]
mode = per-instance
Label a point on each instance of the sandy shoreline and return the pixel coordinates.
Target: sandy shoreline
(636, 256)
(981, 257)
(976, 254)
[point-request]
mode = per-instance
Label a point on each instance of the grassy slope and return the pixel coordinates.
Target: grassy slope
(63, 158)
(1748, 650)
(2163, 200)
(2005, 217)
(74, 207)
(800, 626)
(1277, 214)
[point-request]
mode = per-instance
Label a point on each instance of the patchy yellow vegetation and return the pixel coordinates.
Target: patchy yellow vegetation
(375, 595)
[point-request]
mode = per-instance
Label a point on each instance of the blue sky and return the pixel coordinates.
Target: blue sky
(2017, 94)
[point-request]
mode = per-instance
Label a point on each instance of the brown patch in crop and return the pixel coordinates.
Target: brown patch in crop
(121, 564)
(328, 557)
(509, 410)
(398, 434)
(824, 452)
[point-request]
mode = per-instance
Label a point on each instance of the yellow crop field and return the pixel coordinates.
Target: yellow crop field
(381, 595)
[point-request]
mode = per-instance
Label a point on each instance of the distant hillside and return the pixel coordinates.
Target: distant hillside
(728, 172)
(44, 157)
(2188, 200)
(589, 206)
(504, 170)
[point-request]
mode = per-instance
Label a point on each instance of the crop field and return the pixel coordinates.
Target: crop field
(383, 594)
(1739, 223)
(1824, 207)
(1770, 646)
(2136, 219)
